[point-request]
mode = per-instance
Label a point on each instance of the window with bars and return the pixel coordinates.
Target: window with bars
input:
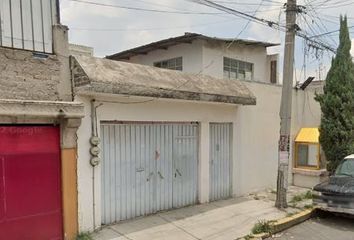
(236, 69)
(173, 64)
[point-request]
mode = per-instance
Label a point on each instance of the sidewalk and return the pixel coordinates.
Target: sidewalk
(226, 219)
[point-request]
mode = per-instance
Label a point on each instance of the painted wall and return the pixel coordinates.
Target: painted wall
(214, 53)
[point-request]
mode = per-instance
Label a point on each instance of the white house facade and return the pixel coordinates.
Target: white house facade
(154, 139)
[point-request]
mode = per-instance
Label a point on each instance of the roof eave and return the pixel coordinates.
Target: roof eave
(152, 92)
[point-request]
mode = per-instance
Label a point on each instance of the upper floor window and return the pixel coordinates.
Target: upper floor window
(236, 69)
(173, 64)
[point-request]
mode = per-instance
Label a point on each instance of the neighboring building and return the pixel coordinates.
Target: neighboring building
(38, 123)
(80, 50)
(218, 57)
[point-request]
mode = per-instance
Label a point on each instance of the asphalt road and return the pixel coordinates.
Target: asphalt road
(327, 226)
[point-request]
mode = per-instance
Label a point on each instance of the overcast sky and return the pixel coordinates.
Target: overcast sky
(110, 30)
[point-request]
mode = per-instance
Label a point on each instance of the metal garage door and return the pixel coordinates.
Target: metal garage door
(147, 168)
(30, 186)
(220, 161)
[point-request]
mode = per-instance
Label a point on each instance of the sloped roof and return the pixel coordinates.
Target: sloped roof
(97, 75)
(186, 38)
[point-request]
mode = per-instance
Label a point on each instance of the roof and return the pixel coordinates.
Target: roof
(186, 38)
(349, 157)
(308, 135)
(97, 75)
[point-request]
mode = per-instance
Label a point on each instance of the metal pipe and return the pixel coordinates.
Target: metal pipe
(94, 133)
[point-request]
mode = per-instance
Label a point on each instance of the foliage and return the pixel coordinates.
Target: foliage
(337, 103)
(83, 236)
(262, 226)
(302, 196)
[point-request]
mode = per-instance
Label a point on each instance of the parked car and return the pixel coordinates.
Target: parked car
(337, 194)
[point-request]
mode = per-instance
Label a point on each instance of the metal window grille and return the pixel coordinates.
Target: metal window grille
(27, 24)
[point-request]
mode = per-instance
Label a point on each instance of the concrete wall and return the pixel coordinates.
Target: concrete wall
(24, 76)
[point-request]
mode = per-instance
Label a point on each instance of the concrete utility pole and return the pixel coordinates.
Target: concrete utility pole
(286, 103)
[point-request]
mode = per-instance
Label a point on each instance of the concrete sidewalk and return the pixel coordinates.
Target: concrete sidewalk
(226, 219)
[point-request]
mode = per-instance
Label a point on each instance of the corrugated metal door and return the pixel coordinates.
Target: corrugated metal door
(185, 165)
(140, 166)
(30, 186)
(220, 161)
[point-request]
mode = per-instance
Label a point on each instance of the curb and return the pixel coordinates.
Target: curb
(285, 223)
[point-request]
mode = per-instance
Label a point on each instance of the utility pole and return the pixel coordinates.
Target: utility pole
(286, 103)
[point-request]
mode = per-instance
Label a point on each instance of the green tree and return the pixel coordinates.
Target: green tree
(337, 103)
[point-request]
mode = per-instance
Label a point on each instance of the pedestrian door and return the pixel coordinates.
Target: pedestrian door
(147, 168)
(220, 161)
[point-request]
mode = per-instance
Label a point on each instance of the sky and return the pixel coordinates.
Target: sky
(110, 29)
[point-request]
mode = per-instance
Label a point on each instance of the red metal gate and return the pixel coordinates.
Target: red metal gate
(30, 187)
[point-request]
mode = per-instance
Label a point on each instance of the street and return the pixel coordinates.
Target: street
(326, 226)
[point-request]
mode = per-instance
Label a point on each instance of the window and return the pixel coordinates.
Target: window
(235, 69)
(307, 155)
(273, 71)
(173, 64)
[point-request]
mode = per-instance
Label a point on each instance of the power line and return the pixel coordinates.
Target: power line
(147, 29)
(143, 9)
(315, 43)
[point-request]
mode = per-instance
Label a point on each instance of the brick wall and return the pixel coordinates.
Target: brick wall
(25, 77)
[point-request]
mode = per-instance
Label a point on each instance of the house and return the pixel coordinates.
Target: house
(257, 126)
(168, 140)
(38, 123)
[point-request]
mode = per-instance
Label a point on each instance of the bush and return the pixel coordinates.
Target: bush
(262, 226)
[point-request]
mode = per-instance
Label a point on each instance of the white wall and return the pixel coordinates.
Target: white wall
(256, 134)
(214, 53)
(159, 110)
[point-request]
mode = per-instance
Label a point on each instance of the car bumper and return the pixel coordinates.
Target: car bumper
(339, 204)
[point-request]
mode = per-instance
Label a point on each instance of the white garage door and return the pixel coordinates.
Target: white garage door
(220, 161)
(147, 168)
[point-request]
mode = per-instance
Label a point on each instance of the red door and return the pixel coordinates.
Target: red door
(30, 187)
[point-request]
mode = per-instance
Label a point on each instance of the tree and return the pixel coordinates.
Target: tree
(337, 103)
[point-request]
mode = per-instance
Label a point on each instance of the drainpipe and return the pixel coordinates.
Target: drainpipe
(94, 151)
(57, 9)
